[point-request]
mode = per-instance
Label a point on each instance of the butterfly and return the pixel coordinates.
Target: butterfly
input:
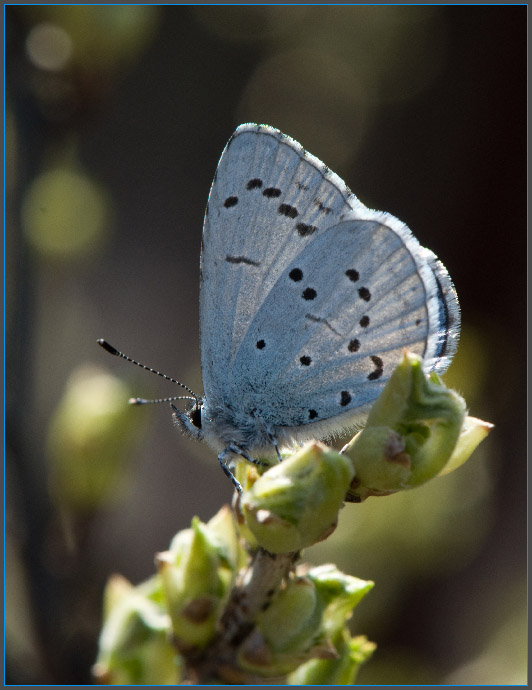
(307, 300)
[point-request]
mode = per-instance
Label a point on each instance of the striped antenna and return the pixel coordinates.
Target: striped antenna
(140, 401)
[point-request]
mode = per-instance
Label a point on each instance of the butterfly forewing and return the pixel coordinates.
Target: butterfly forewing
(269, 200)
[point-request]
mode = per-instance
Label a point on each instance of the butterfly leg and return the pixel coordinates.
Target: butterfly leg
(271, 438)
(274, 444)
(227, 471)
(235, 450)
(238, 451)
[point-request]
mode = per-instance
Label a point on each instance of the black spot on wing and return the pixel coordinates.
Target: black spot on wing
(271, 192)
(345, 398)
(304, 230)
(288, 211)
(241, 260)
(231, 201)
(379, 368)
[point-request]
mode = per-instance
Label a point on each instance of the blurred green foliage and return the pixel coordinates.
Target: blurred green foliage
(65, 214)
(90, 438)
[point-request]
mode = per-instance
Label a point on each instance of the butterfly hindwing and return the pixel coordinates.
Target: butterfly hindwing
(331, 330)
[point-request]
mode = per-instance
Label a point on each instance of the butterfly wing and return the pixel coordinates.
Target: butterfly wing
(332, 329)
(268, 200)
(307, 296)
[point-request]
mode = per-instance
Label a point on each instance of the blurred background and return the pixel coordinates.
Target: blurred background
(115, 120)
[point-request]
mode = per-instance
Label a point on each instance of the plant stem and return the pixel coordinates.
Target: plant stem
(251, 594)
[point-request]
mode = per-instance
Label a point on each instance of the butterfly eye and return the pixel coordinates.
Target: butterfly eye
(195, 416)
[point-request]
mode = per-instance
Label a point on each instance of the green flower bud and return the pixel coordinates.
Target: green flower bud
(287, 633)
(295, 504)
(224, 528)
(88, 441)
(352, 653)
(247, 474)
(196, 573)
(411, 433)
(473, 432)
(134, 646)
(302, 621)
(339, 594)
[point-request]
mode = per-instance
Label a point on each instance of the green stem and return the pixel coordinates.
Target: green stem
(251, 594)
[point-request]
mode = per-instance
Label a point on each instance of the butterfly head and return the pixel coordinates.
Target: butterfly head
(190, 421)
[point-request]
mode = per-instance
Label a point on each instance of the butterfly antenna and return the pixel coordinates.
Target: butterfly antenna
(140, 401)
(143, 401)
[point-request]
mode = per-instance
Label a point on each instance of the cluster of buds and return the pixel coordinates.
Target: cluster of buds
(157, 631)
(167, 628)
(150, 629)
(303, 631)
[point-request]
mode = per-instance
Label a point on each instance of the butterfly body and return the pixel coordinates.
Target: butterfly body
(307, 301)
